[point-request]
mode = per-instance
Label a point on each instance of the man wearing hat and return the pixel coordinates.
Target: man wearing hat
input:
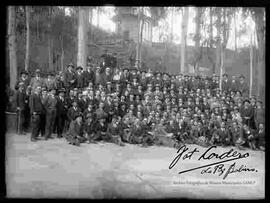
(69, 77)
(73, 111)
(50, 105)
(36, 81)
(101, 127)
(89, 127)
(20, 99)
(246, 112)
(234, 84)
(106, 59)
(75, 132)
(259, 114)
(115, 132)
(23, 79)
(50, 82)
(225, 85)
(107, 76)
(113, 60)
(243, 87)
(36, 109)
(79, 77)
(89, 75)
(61, 112)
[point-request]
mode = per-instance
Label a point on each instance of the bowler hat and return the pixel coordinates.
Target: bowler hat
(79, 67)
(24, 72)
(71, 64)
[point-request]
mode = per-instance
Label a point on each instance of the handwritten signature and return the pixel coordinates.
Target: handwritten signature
(213, 168)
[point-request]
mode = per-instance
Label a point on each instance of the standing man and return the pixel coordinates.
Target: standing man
(79, 77)
(21, 106)
(61, 112)
(50, 107)
(243, 87)
(89, 75)
(114, 61)
(69, 77)
(50, 82)
(36, 109)
(23, 79)
(37, 81)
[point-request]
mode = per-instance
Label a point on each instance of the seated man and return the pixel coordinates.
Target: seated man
(89, 128)
(101, 128)
(75, 133)
(114, 132)
(162, 137)
(261, 137)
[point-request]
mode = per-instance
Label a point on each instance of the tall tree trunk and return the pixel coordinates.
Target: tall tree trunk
(82, 36)
(50, 54)
(62, 53)
(138, 40)
(218, 43)
(37, 20)
(172, 11)
(141, 41)
(91, 23)
(197, 38)
(184, 28)
(12, 46)
(261, 53)
(98, 13)
(235, 33)
(27, 46)
(211, 27)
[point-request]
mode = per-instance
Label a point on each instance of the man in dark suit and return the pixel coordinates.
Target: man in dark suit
(225, 83)
(89, 75)
(114, 61)
(21, 106)
(79, 77)
(73, 111)
(23, 79)
(243, 86)
(50, 107)
(36, 109)
(61, 112)
(69, 77)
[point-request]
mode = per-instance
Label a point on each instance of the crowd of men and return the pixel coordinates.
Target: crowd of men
(108, 104)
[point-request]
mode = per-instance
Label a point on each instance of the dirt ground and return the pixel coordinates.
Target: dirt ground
(55, 169)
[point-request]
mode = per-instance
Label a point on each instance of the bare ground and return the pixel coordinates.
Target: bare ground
(55, 169)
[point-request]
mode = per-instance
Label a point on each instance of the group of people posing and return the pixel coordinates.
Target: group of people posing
(139, 107)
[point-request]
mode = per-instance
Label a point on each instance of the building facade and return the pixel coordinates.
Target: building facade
(127, 24)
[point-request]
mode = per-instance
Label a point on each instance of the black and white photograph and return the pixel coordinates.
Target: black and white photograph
(135, 102)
